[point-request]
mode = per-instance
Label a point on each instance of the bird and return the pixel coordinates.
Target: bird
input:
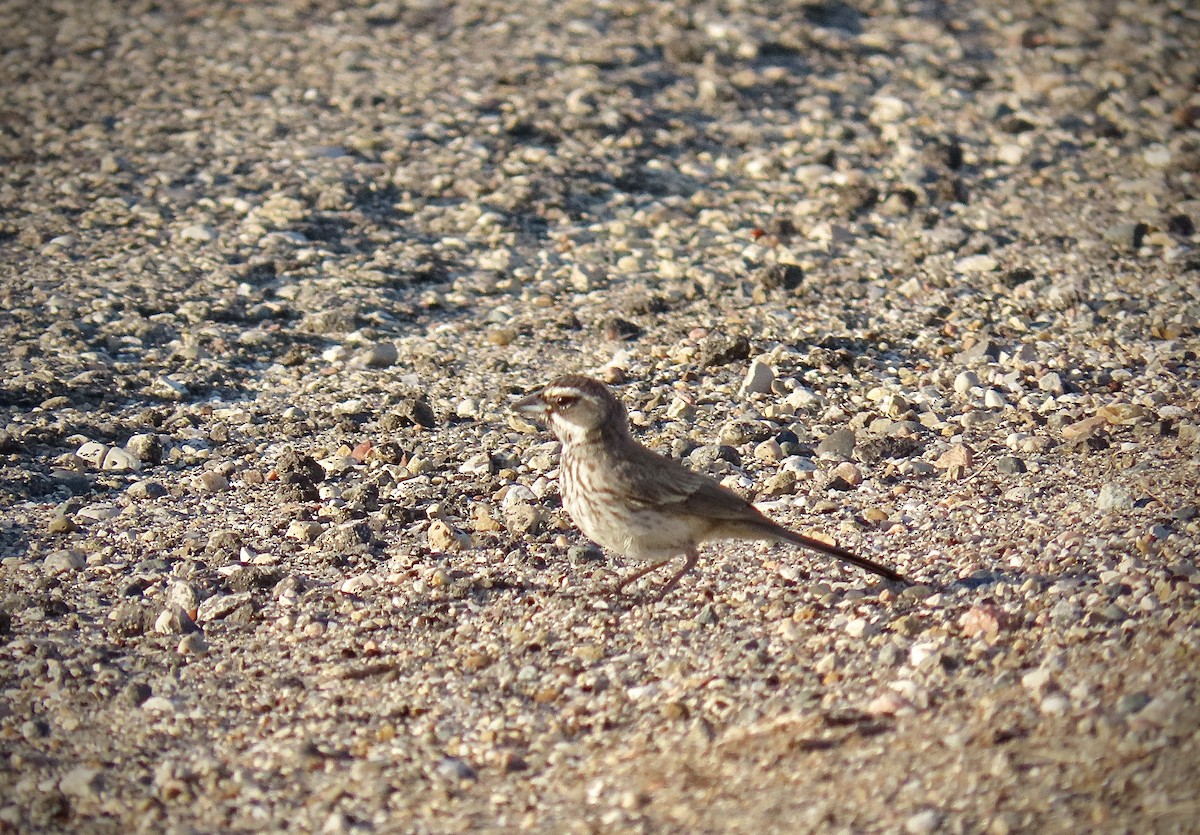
(643, 505)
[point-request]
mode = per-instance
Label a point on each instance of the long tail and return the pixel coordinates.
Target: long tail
(834, 551)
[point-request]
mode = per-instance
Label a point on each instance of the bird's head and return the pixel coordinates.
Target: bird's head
(576, 408)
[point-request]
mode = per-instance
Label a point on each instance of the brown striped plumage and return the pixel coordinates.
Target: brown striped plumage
(641, 504)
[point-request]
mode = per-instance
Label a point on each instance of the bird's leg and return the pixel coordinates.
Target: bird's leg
(637, 575)
(692, 555)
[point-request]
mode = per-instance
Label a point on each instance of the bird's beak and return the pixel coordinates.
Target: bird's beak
(533, 404)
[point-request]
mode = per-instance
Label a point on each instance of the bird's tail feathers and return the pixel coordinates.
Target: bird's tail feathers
(784, 535)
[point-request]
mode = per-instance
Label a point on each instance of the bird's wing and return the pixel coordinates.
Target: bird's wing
(654, 480)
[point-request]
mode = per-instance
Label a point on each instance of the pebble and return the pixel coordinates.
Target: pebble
(1083, 429)
(221, 606)
(443, 538)
(802, 398)
(145, 447)
(523, 519)
(861, 628)
(192, 644)
(59, 243)
(380, 355)
(480, 463)
(62, 524)
(769, 450)
(1010, 154)
(798, 464)
(135, 693)
(1134, 702)
(173, 620)
(358, 584)
(183, 594)
(976, 264)
(984, 619)
(917, 591)
(169, 389)
(845, 476)
(1038, 681)
(198, 233)
(1114, 498)
(119, 460)
(213, 482)
(1010, 465)
(965, 381)
(1157, 155)
(158, 704)
(887, 110)
(98, 512)
(303, 530)
(838, 445)
(515, 494)
(1055, 704)
(958, 457)
(63, 562)
(81, 782)
(1052, 382)
(145, 489)
(455, 768)
(680, 409)
(922, 823)
(758, 379)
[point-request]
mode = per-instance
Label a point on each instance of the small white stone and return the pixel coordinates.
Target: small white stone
(336, 353)
(758, 378)
(1037, 681)
(99, 512)
(305, 531)
(920, 652)
(1114, 498)
(1051, 382)
(680, 409)
(976, 264)
(119, 460)
(1055, 704)
(184, 595)
(479, 463)
(516, 494)
(197, 232)
(1157, 155)
(380, 355)
(192, 644)
(802, 398)
(62, 562)
(59, 242)
(357, 585)
(923, 822)
(158, 704)
(80, 782)
(1010, 154)
(965, 381)
(768, 450)
(860, 628)
(887, 110)
(169, 388)
(93, 452)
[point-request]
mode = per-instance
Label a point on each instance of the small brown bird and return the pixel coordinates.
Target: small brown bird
(641, 504)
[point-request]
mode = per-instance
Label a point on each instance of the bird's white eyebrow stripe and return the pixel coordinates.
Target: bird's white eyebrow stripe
(561, 392)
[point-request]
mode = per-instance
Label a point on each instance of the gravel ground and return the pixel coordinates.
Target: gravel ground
(276, 555)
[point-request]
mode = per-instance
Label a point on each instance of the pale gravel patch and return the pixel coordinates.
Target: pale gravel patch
(924, 285)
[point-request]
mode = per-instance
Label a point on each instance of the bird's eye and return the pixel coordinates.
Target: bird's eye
(561, 401)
